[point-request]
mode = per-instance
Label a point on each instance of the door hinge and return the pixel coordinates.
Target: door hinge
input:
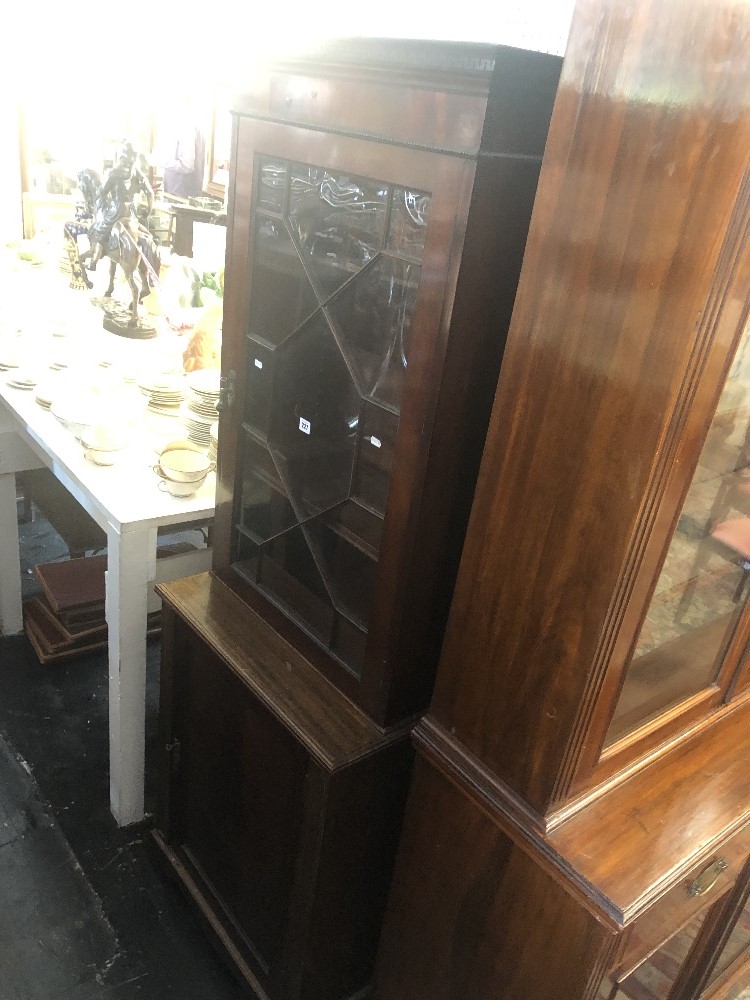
(226, 392)
(174, 750)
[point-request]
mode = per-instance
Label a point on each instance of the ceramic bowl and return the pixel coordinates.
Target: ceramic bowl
(100, 437)
(178, 489)
(101, 457)
(73, 415)
(180, 444)
(185, 466)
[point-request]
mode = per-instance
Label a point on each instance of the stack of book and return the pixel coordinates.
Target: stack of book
(67, 620)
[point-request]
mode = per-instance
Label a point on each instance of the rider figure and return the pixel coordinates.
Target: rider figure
(117, 201)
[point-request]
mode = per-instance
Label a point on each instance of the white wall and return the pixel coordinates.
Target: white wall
(10, 172)
(138, 53)
(179, 40)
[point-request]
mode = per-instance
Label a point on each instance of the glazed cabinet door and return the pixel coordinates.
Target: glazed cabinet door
(693, 638)
(727, 973)
(706, 958)
(336, 330)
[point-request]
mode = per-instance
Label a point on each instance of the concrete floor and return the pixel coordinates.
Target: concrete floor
(83, 912)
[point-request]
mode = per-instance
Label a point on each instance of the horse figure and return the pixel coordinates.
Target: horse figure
(124, 240)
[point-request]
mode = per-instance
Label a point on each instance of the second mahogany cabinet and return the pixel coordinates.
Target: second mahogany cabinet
(579, 819)
(378, 209)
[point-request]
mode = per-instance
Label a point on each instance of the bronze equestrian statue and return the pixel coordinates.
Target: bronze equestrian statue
(115, 229)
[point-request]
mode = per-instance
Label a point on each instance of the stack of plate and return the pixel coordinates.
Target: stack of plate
(8, 358)
(199, 411)
(43, 396)
(165, 393)
(213, 444)
(22, 380)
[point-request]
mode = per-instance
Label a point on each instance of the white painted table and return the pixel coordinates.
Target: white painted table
(124, 500)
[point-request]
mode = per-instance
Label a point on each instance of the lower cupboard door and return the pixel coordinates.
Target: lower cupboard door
(239, 803)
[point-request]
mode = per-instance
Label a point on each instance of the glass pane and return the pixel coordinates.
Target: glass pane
(372, 472)
(740, 990)
(349, 643)
(273, 183)
(286, 571)
(265, 510)
(315, 418)
(347, 540)
(282, 296)
(258, 385)
(408, 224)
(373, 318)
(736, 948)
(337, 221)
(703, 584)
(654, 978)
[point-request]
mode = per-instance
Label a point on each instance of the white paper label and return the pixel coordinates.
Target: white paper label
(375, 441)
(304, 425)
(258, 363)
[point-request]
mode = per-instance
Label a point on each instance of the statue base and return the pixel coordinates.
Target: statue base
(118, 320)
(140, 332)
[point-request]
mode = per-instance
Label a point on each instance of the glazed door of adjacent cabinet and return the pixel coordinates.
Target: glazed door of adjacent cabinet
(690, 654)
(708, 958)
(335, 328)
(727, 976)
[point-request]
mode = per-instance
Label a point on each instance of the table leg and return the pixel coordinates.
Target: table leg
(129, 557)
(11, 614)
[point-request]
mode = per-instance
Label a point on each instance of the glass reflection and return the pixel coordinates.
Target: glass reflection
(703, 584)
(344, 538)
(373, 316)
(258, 385)
(315, 419)
(655, 977)
(289, 575)
(265, 507)
(408, 224)
(338, 223)
(282, 296)
(372, 473)
(733, 952)
(273, 182)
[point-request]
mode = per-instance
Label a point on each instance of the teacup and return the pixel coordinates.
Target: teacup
(183, 466)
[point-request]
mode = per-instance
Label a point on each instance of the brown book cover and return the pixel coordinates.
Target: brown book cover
(48, 635)
(73, 583)
(71, 631)
(49, 643)
(90, 616)
(46, 654)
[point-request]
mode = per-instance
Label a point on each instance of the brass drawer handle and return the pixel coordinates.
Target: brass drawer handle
(707, 878)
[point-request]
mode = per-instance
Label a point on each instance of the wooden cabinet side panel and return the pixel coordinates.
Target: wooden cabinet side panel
(498, 220)
(361, 826)
(636, 193)
(472, 916)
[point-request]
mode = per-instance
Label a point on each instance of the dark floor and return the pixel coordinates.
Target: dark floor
(83, 913)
